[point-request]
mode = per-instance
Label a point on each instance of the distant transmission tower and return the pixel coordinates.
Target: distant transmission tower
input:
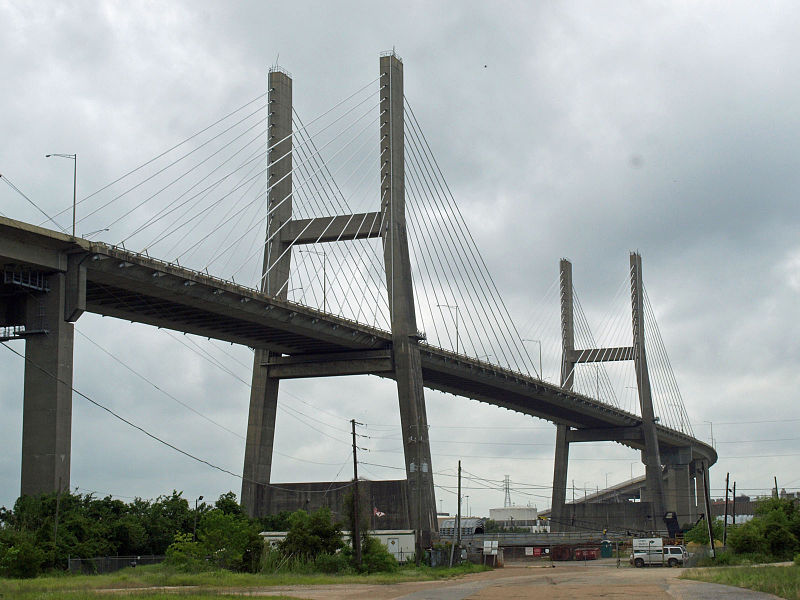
(507, 489)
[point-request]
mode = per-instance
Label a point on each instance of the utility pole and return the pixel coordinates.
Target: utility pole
(55, 526)
(457, 532)
(418, 536)
(356, 529)
(725, 523)
(776, 487)
(707, 501)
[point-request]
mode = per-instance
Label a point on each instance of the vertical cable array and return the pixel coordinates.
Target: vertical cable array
(458, 296)
(666, 394)
(203, 203)
(591, 379)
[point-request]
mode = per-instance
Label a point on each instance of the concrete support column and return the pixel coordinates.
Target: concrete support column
(557, 506)
(692, 492)
(47, 405)
(408, 364)
(698, 471)
(561, 463)
(677, 495)
(650, 455)
(275, 278)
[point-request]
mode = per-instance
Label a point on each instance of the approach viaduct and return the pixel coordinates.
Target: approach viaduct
(78, 275)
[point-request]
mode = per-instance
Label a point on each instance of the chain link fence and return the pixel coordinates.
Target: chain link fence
(109, 564)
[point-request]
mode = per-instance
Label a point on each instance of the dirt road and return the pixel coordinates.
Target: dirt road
(565, 581)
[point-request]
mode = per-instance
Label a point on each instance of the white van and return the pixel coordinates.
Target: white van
(668, 556)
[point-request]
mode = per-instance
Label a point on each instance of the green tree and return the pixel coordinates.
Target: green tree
(780, 540)
(228, 504)
(310, 535)
(185, 554)
(375, 557)
(699, 533)
(747, 538)
(20, 555)
(164, 519)
(224, 537)
(276, 522)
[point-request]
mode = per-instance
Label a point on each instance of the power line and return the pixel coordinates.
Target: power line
(142, 429)
(167, 394)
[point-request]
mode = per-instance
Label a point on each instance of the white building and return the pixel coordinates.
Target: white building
(518, 516)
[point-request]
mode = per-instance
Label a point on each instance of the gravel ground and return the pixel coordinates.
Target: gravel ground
(569, 580)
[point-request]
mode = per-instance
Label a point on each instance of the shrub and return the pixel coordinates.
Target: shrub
(186, 555)
(797, 559)
(20, 557)
(252, 555)
(333, 563)
(312, 534)
(782, 543)
(375, 558)
(699, 533)
(747, 537)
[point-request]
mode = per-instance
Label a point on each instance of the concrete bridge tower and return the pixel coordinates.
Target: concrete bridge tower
(390, 225)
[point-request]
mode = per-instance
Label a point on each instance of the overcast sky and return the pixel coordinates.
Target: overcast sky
(573, 129)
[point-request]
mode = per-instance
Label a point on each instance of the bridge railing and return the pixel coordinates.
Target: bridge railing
(123, 252)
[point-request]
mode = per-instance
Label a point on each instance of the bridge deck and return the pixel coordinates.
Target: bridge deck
(132, 286)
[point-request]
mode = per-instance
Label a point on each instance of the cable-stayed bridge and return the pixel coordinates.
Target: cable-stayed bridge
(371, 271)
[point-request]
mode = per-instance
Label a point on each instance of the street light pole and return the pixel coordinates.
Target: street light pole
(451, 307)
(540, 354)
(194, 530)
(324, 275)
(711, 425)
(74, 158)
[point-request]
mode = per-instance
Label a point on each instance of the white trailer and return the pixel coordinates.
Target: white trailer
(400, 542)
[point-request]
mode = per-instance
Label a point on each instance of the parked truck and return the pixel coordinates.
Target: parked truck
(653, 552)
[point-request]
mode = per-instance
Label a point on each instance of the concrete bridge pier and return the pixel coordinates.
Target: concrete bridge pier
(47, 405)
(678, 479)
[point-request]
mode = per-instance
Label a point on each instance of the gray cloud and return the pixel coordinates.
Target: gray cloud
(563, 130)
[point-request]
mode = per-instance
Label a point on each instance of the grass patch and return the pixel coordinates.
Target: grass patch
(729, 559)
(206, 584)
(780, 581)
